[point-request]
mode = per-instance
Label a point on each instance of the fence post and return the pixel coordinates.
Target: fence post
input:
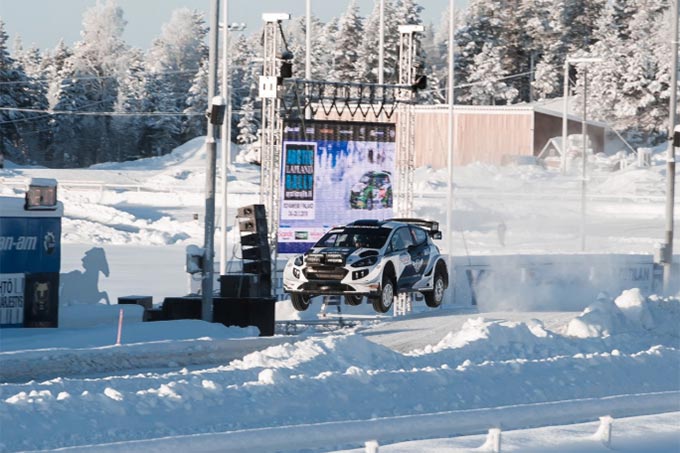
(372, 446)
(120, 327)
(604, 432)
(493, 441)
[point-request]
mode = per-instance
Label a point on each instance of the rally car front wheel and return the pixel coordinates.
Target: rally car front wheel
(434, 298)
(300, 301)
(383, 302)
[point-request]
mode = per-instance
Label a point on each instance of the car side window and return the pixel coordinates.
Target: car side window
(396, 243)
(419, 235)
(401, 239)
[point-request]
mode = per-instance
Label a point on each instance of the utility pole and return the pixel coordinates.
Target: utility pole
(211, 148)
(381, 45)
(451, 136)
(667, 258)
(226, 138)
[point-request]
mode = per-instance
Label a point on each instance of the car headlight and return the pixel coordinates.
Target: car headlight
(299, 260)
(365, 262)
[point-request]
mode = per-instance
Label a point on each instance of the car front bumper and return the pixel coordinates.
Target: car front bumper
(295, 281)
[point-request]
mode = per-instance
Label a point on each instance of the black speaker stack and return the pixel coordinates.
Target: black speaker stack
(245, 298)
(252, 223)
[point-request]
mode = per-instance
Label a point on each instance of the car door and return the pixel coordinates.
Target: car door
(399, 244)
(419, 253)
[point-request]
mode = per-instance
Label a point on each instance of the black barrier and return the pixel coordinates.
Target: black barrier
(182, 308)
(144, 301)
(258, 312)
(230, 311)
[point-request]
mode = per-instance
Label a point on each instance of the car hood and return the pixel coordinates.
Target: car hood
(359, 186)
(348, 254)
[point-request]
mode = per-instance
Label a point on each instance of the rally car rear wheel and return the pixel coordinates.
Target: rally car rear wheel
(300, 301)
(434, 298)
(353, 299)
(383, 302)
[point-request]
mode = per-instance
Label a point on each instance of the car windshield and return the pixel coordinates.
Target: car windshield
(366, 179)
(373, 238)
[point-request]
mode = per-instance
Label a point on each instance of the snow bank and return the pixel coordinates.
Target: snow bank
(628, 313)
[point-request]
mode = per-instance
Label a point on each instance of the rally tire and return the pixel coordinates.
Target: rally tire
(384, 301)
(300, 301)
(433, 299)
(353, 299)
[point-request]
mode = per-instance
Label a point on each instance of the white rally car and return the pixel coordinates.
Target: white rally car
(372, 258)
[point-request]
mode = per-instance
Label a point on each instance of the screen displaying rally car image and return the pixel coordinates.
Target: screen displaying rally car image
(372, 191)
(373, 259)
(333, 172)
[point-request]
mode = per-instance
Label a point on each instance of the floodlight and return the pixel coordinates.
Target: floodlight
(411, 28)
(275, 17)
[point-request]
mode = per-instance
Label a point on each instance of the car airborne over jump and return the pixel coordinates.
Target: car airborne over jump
(372, 258)
(372, 191)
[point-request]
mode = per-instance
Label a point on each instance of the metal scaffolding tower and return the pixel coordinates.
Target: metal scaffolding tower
(293, 97)
(408, 72)
(270, 153)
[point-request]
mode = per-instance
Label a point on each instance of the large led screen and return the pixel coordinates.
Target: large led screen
(333, 172)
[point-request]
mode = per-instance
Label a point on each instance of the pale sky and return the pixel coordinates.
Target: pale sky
(43, 22)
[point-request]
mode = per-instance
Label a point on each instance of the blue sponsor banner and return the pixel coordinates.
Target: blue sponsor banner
(332, 173)
(30, 244)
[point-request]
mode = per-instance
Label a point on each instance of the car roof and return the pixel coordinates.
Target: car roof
(377, 173)
(395, 223)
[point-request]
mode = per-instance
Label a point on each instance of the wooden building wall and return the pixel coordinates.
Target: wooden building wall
(482, 134)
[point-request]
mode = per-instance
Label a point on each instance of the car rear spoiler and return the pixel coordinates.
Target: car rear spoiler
(431, 226)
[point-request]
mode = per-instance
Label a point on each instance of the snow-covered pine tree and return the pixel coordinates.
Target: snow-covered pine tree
(128, 129)
(54, 66)
(630, 88)
(487, 79)
(367, 63)
(11, 97)
(327, 41)
(645, 81)
(612, 37)
(91, 83)
(34, 131)
(346, 47)
(197, 104)
(174, 59)
(470, 38)
(247, 127)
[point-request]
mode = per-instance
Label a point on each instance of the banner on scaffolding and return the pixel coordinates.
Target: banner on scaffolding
(333, 172)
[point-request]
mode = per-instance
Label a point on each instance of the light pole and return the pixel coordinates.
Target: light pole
(381, 45)
(565, 104)
(226, 130)
(451, 140)
(584, 133)
(211, 147)
(670, 159)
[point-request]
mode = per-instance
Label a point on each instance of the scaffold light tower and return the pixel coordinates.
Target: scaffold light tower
(270, 89)
(408, 73)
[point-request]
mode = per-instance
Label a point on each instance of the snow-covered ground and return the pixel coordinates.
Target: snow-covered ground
(447, 375)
